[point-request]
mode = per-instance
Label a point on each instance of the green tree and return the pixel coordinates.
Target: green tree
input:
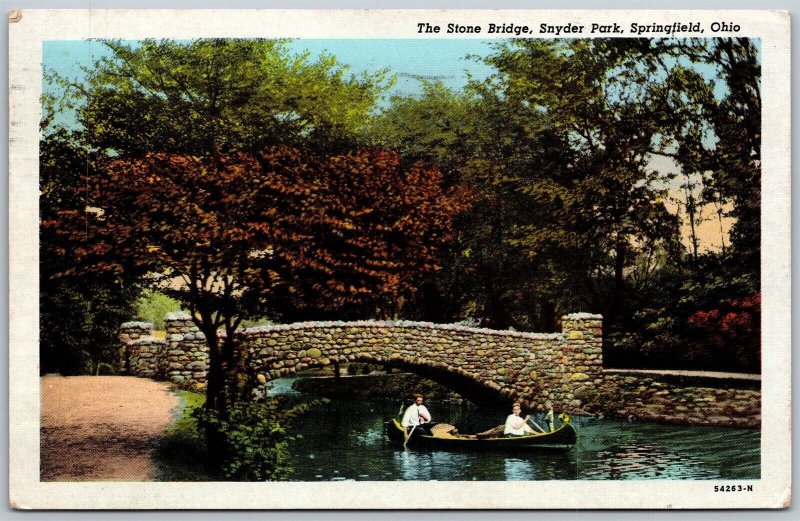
(208, 97)
(735, 157)
(435, 126)
(478, 142)
(590, 108)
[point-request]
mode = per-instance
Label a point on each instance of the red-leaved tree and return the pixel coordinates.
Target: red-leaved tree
(358, 231)
(731, 333)
(241, 236)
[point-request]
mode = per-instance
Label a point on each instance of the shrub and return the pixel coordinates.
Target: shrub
(180, 454)
(153, 306)
(255, 438)
(80, 317)
(730, 332)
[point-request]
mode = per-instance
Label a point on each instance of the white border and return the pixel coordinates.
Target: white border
(25, 39)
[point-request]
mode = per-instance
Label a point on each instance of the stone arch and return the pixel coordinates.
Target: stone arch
(468, 385)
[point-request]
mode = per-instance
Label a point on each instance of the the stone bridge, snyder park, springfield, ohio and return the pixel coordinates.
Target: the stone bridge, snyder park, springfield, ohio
(500, 366)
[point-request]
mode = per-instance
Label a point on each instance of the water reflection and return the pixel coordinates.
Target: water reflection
(431, 466)
(646, 461)
(517, 469)
(345, 440)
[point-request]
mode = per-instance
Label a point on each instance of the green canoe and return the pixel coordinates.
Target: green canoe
(562, 438)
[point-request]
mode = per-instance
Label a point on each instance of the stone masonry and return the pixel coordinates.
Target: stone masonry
(688, 400)
(140, 353)
(186, 354)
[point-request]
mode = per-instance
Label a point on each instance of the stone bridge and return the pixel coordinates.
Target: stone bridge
(481, 364)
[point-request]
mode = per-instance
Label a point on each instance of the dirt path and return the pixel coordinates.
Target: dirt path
(102, 427)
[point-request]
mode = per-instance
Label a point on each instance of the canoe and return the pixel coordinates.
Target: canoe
(562, 438)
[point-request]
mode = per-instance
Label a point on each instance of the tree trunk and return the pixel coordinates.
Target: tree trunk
(691, 209)
(618, 295)
(236, 370)
(216, 401)
(548, 320)
(215, 388)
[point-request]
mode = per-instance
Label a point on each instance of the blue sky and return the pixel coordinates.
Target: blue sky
(443, 59)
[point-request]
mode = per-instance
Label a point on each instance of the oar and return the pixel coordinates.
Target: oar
(408, 436)
(528, 418)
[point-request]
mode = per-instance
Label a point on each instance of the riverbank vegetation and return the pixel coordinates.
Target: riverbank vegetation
(256, 439)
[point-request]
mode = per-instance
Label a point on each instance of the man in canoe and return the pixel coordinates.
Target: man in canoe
(548, 418)
(416, 419)
(516, 426)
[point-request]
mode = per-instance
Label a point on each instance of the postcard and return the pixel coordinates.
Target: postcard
(361, 259)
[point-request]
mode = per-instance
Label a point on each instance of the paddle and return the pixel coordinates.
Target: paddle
(407, 435)
(528, 418)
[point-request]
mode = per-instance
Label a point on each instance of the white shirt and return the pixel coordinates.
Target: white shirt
(415, 414)
(516, 425)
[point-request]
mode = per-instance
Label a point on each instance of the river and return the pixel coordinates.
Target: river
(345, 440)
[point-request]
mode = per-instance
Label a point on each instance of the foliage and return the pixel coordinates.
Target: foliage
(736, 158)
(216, 96)
(152, 306)
(256, 438)
(79, 312)
(196, 195)
(180, 454)
(240, 236)
(360, 228)
(567, 212)
(730, 332)
(81, 316)
(263, 182)
(603, 205)
(433, 127)
(664, 331)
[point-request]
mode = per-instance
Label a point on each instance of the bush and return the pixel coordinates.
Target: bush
(255, 438)
(80, 317)
(153, 306)
(730, 333)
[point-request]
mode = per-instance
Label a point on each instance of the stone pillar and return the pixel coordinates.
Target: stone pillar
(128, 333)
(582, 358)
(186, 358)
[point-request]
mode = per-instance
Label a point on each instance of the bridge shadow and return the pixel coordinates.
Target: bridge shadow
(469, 388)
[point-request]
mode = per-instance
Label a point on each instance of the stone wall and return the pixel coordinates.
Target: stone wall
(186, 353)
(530, 367)
(683, 397)
(140, 353)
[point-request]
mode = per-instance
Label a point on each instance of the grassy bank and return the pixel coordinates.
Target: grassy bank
(181, 453)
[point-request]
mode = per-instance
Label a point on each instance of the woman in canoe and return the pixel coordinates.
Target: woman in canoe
(516, 426)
